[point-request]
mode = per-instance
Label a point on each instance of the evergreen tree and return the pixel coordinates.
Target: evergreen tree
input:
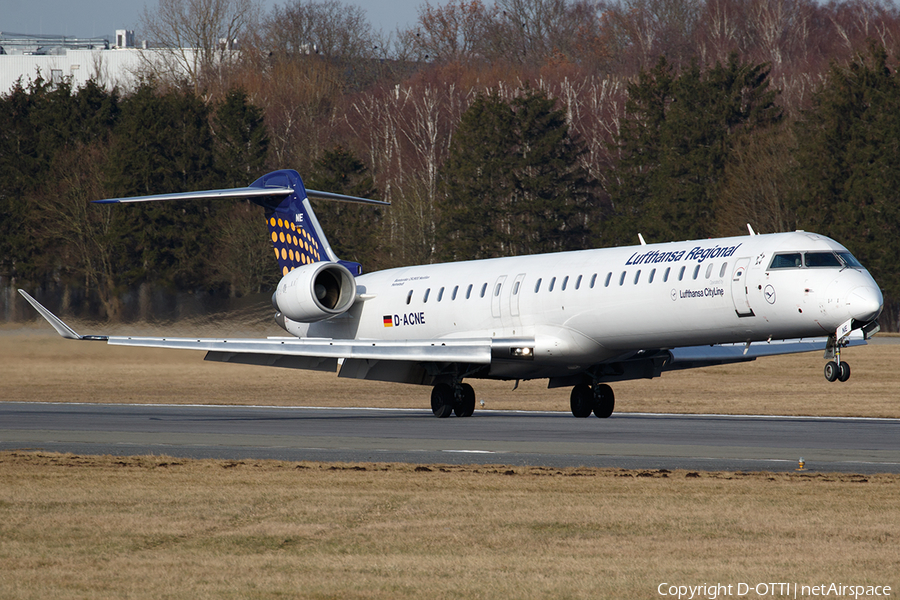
(675, 144)
(512, 182)
(163, 143)
(352, 229)
(241, 140)
(477, 183)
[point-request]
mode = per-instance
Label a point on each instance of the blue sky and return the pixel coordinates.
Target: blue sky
(101, 18)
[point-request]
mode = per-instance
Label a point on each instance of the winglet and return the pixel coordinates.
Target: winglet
(60, 327)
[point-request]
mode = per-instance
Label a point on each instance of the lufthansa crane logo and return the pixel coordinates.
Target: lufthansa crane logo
(769, 293)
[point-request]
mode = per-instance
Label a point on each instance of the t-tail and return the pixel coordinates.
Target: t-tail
(297, 238)
(315, 284)
(295, 232)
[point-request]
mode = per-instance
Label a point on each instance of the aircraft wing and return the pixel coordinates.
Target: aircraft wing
(303, 353)
(690, 357)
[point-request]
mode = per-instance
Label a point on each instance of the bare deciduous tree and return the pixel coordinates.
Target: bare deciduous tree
(197, 39)
(327, 27)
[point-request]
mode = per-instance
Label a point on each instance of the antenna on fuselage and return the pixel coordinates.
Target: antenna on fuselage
(750, 229)
(640, 237)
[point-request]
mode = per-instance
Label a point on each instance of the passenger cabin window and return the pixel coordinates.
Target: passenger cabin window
(722, 270)
(652, 274)
(552, 283)
(608, 277)
(593, 280)
(681, 274)
(455, 289)
(483, 290)
(578, 282)
(666, 274)
(425, 299)
(696, 271)
(565, 283)
(497, 290)
(637, 277)
(537, 286)
(821, 259)
(440, 294)
(622, 278)
(790, 260)
(516, 289)
(709, 270)
(469, 292)
(409, 297)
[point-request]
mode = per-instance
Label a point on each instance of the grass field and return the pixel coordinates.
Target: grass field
(157, 527)
(161, 527)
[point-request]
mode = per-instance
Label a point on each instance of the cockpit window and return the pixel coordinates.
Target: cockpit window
(821, 259)
(813, 260)
(790, 260)
(849, 260)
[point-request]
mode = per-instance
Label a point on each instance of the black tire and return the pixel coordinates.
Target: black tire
(442, 400)
(466, 406)
(831, 371)
(604, 401)
(582, 400)
(844, 375)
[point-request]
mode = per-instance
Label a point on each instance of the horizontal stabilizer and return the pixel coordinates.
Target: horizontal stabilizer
(241, 193)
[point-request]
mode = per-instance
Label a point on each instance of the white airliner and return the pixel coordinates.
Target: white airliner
(580, 319)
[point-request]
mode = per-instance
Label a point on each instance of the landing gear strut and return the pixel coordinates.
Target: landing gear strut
(447, 399)
(598, 399)
(835, 370)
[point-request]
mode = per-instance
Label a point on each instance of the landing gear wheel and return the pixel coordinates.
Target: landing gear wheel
(844, 374)
(604, 400)
(832, 371)
(442, 400)
(582, 400)
(466, 405)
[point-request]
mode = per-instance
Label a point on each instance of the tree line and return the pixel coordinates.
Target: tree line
(521, 127)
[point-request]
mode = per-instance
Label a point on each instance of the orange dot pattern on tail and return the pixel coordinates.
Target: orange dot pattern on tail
(294, 246)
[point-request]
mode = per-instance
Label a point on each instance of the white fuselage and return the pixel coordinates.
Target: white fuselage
(588, 306)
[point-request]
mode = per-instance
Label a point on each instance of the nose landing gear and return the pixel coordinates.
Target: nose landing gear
(835, 370)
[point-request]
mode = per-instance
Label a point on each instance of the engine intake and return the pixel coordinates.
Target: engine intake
(315, 292)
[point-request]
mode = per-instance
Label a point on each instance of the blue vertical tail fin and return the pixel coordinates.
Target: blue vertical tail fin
(297, 237)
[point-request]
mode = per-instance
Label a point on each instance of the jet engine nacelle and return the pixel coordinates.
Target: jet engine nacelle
(315, 292)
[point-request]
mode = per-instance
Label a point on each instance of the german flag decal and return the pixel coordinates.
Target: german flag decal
(388, 321)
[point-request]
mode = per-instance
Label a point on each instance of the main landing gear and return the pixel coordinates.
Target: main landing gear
(598, 399)
(447, 399)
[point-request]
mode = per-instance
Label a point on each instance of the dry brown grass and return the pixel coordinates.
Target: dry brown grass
(157, 527)
(39, 365)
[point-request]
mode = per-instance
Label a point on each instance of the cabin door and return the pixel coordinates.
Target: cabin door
(739, 292)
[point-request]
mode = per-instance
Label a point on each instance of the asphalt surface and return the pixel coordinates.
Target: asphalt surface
(632, 441)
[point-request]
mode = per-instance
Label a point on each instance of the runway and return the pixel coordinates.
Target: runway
(631, 441)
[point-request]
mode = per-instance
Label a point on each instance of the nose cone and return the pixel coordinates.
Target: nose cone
(865, 303)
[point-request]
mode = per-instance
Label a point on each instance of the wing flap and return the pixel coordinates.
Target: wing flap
(476, 351)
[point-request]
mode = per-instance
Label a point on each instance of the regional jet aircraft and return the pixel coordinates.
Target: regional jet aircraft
(579, 319)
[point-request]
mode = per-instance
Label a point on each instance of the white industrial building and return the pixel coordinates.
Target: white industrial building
(56, 59)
